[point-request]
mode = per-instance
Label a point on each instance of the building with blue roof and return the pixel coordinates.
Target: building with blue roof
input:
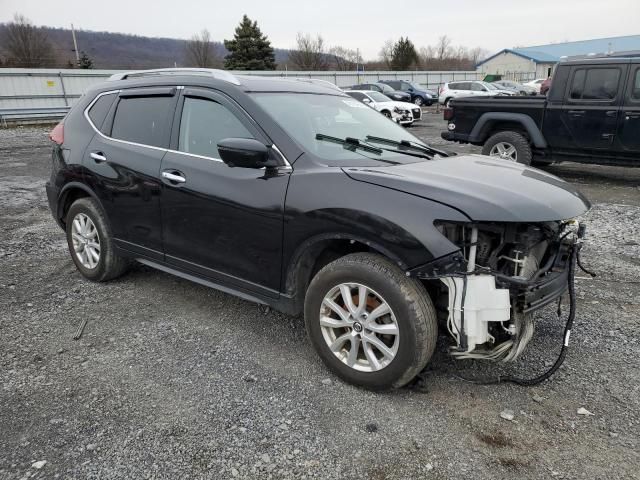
(524, 63)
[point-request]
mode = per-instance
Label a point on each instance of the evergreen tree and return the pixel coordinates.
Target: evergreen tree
(249, 49)
(403, 54)
(85, 62)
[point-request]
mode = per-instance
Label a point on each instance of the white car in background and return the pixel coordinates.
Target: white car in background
(537, 83)
(400, 112)
(470, 88)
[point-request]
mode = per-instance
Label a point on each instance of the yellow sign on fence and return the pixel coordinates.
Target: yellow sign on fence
(51, 83)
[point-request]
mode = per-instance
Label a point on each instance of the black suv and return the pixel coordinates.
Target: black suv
(292, 194)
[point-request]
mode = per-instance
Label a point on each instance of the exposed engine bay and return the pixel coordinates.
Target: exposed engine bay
(507, 272)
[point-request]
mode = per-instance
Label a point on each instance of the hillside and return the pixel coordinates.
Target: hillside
(122, 51)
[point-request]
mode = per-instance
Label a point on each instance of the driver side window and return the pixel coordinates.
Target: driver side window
(204, 123)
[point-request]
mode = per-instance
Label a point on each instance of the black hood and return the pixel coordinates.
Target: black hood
(483, 188)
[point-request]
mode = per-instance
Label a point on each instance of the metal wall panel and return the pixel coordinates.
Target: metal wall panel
(46, 88)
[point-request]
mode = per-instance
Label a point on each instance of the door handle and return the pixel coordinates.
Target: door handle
(576, 113)
(174, 176)
(98, 157)
(611, 113)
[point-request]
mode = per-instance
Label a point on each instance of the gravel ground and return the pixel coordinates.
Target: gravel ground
(174, 380)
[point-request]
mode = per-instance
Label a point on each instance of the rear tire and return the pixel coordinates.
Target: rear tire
(418, 101)
(511, 146)
(447, 102)
(88, 236)
(409, 313)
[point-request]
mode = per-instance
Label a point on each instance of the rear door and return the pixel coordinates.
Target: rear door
(628, 139)
(591, 110)
(221, 222)
(123, 165)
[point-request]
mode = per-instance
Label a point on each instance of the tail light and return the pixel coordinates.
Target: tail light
(57, 134)
(447, 113)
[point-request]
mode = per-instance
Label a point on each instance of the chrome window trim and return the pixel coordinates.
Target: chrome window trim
(286, 166)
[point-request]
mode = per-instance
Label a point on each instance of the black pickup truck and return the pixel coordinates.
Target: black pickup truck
(590, 115)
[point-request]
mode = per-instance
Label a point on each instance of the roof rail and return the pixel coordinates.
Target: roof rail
(218, 74)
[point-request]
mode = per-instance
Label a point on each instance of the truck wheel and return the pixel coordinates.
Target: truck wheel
(370, 324)
(90, 242)
(508, 146)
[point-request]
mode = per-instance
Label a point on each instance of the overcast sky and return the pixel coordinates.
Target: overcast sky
(491, 24)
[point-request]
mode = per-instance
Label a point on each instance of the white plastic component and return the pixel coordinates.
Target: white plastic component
(484, 303)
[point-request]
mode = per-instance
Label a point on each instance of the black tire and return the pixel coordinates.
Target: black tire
(447, 102)
(414, 313)
(515, 139)
(109, 265)
(386, 113)
(419, 101)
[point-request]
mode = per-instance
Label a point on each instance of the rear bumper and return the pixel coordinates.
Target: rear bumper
(455, 137)
(52, 196)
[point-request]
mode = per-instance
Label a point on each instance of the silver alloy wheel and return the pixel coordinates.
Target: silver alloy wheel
(359, 327)
(504, 150)
(418, 101)
(86, 241)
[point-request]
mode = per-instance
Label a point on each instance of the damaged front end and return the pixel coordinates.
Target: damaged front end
(501, 275)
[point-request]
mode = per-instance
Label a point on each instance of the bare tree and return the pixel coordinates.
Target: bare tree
(310, 53)
(442, 47)
(344, 59)
(386, 53)
(201, 51)
(26, 45)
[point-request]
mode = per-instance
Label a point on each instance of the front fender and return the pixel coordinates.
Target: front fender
(399, 225)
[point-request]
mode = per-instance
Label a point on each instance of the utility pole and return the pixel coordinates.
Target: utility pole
(75, 44)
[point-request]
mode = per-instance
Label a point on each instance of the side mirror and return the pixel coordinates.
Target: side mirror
(366, 100)
(245, 153)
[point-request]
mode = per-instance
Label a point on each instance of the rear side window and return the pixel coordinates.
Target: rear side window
(476, 87)
(635, 88)
(98, 112)
(595, 84)
(144, 120)
(204, 123)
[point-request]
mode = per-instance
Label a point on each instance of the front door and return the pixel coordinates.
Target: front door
(225, 223)
(628, 140)
(591, 110)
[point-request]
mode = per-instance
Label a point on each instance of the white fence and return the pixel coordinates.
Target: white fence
(29, 90)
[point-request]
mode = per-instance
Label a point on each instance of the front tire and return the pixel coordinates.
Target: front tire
(510, 146)
(418, 101)
(90, 242)
(370, 324)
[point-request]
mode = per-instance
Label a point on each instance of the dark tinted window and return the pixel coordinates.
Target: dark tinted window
(595, 84)
(635, 88)
(357, 95)
(98, 112)
(204, 123)
(393, 84)
(143, 120)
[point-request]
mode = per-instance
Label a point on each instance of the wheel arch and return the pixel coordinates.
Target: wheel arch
(489, 123)
(316, 252)
(70, 193)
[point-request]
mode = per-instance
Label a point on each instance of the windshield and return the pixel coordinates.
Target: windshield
(490, 87)
(385, 88)
(378, 97)
(304, 115)
(415, 86)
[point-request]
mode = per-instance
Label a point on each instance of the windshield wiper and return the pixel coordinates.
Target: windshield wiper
(407, 144)
(349, 143)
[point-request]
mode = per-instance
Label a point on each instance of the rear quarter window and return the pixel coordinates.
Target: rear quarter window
(99, 110)
(144, 120)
